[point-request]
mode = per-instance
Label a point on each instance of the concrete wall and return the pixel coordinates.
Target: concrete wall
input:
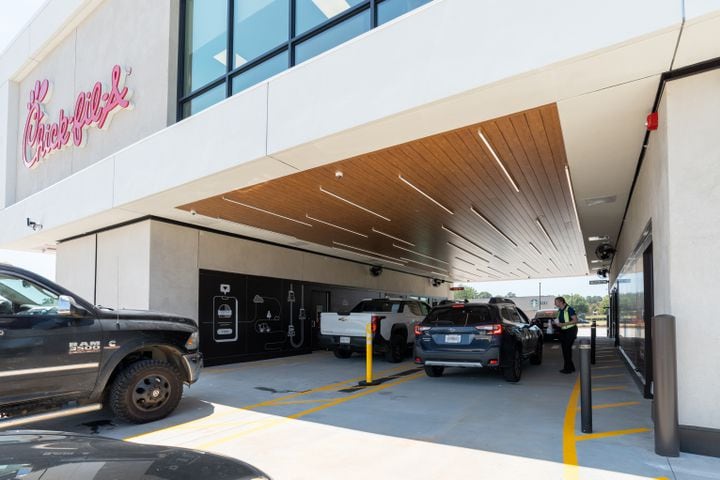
(75, 266)
(131, 33)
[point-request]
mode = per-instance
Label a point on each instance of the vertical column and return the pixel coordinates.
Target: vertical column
(665, 408)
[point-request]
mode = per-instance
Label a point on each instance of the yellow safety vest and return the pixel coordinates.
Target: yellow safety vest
(566, 313)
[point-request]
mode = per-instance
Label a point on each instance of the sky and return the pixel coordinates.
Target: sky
(15, 14)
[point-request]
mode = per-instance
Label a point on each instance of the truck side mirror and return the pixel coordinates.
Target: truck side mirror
(67, 307)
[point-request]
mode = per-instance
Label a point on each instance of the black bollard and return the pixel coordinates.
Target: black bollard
(585, 387)
(667, 441)
(593, 336)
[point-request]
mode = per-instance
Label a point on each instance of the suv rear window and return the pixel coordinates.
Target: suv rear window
(462, 317)
(378, 305)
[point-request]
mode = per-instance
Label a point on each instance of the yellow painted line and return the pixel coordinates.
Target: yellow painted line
(614, 433)
(612, 405)
(569, 450)
(301, 402)
(612, 387)
(594, 377)
(276, 421)
(201, 421)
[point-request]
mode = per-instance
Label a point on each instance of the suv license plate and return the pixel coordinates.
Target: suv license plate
(453, 338)
(345, 340)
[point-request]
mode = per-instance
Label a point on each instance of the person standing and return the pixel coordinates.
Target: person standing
(567, 323)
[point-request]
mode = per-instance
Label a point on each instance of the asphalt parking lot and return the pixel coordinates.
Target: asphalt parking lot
(304, 417)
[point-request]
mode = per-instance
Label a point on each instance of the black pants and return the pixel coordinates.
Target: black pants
(567, 338)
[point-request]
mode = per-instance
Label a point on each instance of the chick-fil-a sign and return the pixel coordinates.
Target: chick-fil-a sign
(92, 108)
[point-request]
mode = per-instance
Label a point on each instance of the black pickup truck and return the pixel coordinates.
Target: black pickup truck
(495, 335)
(61, 355)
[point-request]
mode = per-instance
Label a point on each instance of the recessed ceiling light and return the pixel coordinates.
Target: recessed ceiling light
(492, 225)
(596, 261)
(335, 226)
(352, 203)
(394, 238)
(524, 273)
(382, 260)
(495, 270)
(266, 211)
(487, 274)
(536, 249)
(547, 235)
(420, 263)
(599, 238)
(449, 230)
(502, 260)
(465, 271)
(425, 195)
(463, 260)
(366, 251)
(591, 202)
(499, 162)
(468, 252)
(530, 267)
(420, 254)
(572, 198)
(437, 273)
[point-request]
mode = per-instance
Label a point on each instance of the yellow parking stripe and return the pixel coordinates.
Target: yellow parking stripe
(615, 433)
(569, 449)
(594, 377)
(612, 405)
(612, 387)
(301, 402)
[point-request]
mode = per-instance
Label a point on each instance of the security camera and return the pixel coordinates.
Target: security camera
(604, 251)
(376, 270)
(34, 225)
(436, 282)
(193, 212)
(603, 273)
(338, 175)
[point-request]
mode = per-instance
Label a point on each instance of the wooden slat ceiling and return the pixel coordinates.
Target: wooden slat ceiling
(458, 171)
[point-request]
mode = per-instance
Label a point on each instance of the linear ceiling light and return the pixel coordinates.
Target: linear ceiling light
(499, 162)
(572, 199)
(420, 254)
(335, 226)
(465, 271)
(421, 263)
(353, 204)
(463, 260)
(598, 238)
(502, 260)
(547, 235)
(536, 249)
(487, 274)
(482, 217)
(426, 195)
(382, 260)
(439, 274)
(530, 267)
(495, 270)
(366, 251)
(449, 230)
(553, 262)
(394, 238)
(468, 252)
(266, 211)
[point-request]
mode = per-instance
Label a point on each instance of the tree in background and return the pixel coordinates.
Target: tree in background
(468, 293)
(484, 294)
(510, 295)
(578, 302)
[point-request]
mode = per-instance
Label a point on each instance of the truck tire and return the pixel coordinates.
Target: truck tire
(537, 357)
(145, 391)
(342, 352)
(396, 348)
(433, 371)
(512, 371)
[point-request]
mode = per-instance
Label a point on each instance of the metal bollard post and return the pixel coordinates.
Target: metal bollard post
(667, 441)
(593, 336)
(368, 358)
(585, 387)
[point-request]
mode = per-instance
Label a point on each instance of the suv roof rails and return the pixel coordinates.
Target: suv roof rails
(500, 300)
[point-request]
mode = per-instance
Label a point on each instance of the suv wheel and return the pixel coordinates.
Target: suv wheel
(396, 349)
(342, 352)
(537, 357)
(146, 391)
(434, 371)
(513, 370)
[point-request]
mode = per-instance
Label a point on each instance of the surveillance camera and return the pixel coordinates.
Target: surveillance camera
(338, 175)
(376, 270)
(193, 212)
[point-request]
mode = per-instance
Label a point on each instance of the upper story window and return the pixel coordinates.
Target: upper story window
(229, 45)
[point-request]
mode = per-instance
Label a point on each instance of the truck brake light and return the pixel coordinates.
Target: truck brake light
(375, 323)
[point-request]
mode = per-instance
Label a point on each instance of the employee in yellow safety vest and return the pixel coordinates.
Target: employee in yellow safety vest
(567, 323)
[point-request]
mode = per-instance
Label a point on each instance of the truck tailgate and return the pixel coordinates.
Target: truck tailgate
(351, 325)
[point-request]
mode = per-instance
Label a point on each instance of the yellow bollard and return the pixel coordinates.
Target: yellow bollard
(368, 357)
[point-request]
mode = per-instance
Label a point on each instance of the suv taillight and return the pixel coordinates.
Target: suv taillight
(375, 323)
(420, 329)
(491, 329)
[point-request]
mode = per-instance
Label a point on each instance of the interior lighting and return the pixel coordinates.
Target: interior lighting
(530, 267)
(465, 271)
(547, 235)
(420, 263)
(599, 238)
(449, 230)
(502, 260)
(495, 270)
(420, 254)
(394, 238)
(463, 260)
(426, 195)
(468, 252)
(487, 274)
(492, 225)
(366, 251)
(383, 260)
(536, 249)
(334, 226)
(572, 198)
(353, 203)
(266, 211)
(499, 162)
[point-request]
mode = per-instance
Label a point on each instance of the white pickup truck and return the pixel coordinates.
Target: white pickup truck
(393, 325)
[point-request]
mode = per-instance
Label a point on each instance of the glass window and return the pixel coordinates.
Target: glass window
(261, 72)
(310, 13)
(459, 317)
(332, 37)
(258, 27)
(414, 309)
(201, 102)
(378, 305)
(390, 9)
(205, 42)
(22, 297)
(424, 308)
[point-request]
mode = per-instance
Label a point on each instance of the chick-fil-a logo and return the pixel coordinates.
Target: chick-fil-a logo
(92, 108)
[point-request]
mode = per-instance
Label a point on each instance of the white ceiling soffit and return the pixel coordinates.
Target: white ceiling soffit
(700, 39)
(603, 134)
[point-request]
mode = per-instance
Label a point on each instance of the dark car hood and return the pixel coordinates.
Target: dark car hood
(32, 455)
(142, 315)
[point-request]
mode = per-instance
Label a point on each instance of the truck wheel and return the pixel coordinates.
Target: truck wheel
(396, 349)
(434, 371)
(145, 391)
(342, 353)
(536, 358)
(513, 370)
